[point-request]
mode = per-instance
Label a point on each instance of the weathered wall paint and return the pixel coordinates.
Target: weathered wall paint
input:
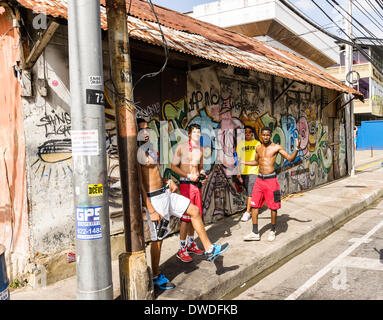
(230, 101)
(217, 98)
(49, 163)
(14, 231)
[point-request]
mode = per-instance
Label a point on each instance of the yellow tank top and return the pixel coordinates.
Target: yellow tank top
(246, 151)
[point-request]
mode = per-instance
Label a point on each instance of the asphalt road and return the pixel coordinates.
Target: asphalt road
(347, 264)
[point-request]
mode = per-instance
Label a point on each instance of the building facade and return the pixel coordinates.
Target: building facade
(272, 22)
(209, 78)
(369, 81)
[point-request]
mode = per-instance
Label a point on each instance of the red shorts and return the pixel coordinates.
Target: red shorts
(266, 190)
(193, 193)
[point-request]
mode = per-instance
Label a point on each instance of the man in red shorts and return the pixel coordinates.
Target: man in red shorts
(187, 162)
(266, 187)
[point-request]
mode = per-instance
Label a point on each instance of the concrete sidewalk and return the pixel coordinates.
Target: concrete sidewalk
(303, 218)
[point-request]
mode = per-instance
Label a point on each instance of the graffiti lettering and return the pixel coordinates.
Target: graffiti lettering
(56, 124)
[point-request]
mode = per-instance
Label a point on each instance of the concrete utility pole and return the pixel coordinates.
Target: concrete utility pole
(93, 257)
(135, 276)
(349, 81)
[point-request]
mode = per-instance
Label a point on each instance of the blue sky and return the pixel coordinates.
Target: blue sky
(374, 23)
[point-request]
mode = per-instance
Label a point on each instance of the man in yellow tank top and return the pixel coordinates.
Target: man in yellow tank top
(246, 150)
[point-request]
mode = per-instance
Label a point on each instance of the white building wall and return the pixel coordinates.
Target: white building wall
(229, 13)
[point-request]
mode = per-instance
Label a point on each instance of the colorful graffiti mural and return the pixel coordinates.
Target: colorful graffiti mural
(230, 104)
(223, 105)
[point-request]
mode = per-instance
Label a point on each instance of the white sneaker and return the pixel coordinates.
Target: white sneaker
(246, 216)
(271, 236)
(252, 237)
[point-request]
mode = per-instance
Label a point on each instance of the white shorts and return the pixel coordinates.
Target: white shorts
(166, 204)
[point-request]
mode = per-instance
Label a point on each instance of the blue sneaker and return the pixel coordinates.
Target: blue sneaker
(217, 250)
(162, 282)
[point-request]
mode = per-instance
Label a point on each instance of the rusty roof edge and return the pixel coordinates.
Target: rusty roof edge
(293, 61)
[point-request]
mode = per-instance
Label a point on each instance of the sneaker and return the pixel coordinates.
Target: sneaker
(162, 282)
(271, 236)
(183, 255)
(217, 250)
(252, 237)
(246, 217)
(194, 249)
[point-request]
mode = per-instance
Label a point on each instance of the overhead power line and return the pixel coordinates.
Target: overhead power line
(302, 16)
(368, 15)
(354, 44)
(351, 19)
(350, 42)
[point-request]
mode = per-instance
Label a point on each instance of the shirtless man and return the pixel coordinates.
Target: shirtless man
(266, 187)
(161, 202)
(188, 164)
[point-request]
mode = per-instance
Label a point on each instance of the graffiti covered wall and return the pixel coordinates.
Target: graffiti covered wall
(220, 99)
(47, 124)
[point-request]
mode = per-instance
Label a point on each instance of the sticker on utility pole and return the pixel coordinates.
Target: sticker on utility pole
(4, 295)
(88, 226)
(85, 142)
(95, 190)
(95, 80)
(95, 97)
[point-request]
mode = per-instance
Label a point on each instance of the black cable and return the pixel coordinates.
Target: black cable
(302, 16)
(380, 4)
(166, 49)
(130, 5)
(353, 19)
(353, 44)
(302, 34)
(374, 9)
(356, 4)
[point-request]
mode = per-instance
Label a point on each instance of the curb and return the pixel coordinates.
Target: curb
(282, 254)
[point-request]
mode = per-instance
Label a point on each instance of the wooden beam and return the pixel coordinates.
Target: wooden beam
(40, 45)
(284, 91)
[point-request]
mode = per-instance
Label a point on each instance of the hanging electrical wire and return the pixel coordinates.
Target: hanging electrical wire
(374, 9)
(166, 50)
(367, 15)
(303, 34)
(380, 3)
(114, 90)
(351, 19)
(353, 43)
(314, 24)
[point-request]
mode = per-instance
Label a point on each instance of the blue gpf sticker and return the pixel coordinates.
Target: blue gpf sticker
(88, 225)
(4, 295)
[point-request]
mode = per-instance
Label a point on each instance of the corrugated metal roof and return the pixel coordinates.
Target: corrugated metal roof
(191, 36)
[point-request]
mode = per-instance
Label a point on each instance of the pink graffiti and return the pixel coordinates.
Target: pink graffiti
(302, 127)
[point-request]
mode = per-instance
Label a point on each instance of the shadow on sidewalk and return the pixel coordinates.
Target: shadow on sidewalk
(282, 224)
(220, 230)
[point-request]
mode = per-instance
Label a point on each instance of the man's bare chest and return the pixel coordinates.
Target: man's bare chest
(191, 157)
